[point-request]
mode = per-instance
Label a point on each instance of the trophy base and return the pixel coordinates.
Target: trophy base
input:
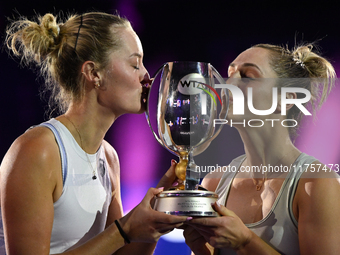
(186, 203)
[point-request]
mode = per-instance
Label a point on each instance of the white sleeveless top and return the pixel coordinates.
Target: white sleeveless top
(279, 228)
(81, 211)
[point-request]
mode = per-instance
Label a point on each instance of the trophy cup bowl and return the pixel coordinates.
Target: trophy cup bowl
(187, 106)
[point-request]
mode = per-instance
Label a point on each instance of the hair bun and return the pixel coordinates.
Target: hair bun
(49, 25)
(35, 41)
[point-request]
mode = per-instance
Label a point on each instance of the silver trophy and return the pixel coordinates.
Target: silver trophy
(187, 106)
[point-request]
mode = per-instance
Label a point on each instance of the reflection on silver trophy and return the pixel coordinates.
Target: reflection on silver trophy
(187, 106)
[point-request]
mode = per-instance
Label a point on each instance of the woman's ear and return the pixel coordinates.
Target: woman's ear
(90, 73)
(290, 95)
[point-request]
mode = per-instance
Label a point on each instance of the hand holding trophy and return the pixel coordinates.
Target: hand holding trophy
(187, 107)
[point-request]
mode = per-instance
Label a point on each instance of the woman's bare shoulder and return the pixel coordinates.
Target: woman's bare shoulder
(111, 155)
(35, 145)
(211, 180)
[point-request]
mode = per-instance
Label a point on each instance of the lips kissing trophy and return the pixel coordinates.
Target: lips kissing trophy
(187, 107)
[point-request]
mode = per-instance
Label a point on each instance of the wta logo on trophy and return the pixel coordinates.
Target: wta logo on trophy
(193, 84)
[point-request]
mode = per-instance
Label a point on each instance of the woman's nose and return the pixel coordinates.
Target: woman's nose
(146, 79)
(234, 79)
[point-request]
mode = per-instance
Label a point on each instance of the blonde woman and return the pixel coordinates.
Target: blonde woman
(60, 188)
(294, 210)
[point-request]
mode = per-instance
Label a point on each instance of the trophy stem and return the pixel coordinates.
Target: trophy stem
(180, 169)
(192, 177)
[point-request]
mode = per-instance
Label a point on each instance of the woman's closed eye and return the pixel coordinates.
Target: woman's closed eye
(246, 77)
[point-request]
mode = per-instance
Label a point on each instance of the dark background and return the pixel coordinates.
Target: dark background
(208, 31)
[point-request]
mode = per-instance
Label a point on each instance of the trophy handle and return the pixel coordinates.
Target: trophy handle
(147, 112)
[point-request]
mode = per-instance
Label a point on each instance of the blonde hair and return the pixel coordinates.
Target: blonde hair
(304, 68)
(60, 49)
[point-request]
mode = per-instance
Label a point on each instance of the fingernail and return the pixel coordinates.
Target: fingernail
(189, 218)
(174, 184)
(161, 188)
(173, 162)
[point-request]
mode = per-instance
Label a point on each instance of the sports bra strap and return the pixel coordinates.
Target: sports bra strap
(61, 149)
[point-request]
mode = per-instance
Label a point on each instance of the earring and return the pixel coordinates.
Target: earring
(97, 85)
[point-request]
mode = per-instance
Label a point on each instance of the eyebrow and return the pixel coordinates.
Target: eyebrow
(135, 55)
(246, 65)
